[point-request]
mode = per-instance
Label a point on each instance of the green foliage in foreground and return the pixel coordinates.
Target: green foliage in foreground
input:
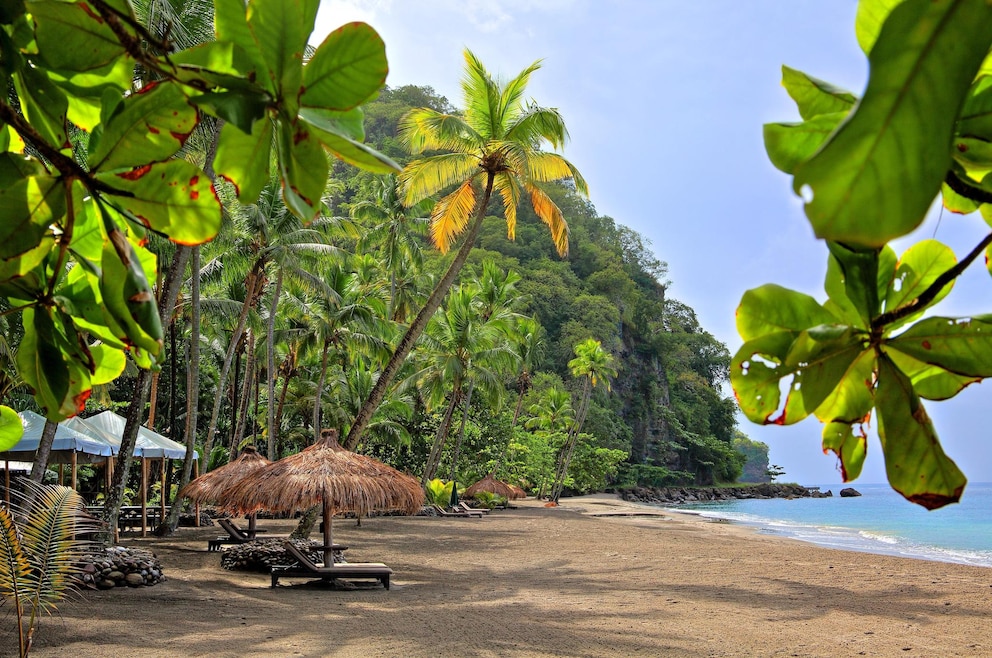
(88, 162)
(869, 170)
(40, 552)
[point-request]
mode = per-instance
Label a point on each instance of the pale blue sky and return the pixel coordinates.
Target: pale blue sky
(665, 101)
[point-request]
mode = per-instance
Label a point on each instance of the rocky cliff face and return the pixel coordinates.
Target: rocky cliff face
(680, 495)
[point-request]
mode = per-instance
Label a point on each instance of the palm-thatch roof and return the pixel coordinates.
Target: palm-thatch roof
(492, 485)
(328, 475)
(212, 487)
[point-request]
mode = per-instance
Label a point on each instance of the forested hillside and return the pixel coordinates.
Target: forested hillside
(666, 408)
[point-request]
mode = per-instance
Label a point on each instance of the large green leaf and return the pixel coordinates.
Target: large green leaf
(11, 428)
(280, 29)
(918, 268)
(815, 97)
(44, 105)
(772, 308)
(243, 159)
(960, 345)
(868, 23)
(109, 362)
(790, 144)
(755, 373)
(60, 384)
(877, 176)
(127, 294)
(28, 208)
(353, 152)
(72, 37)
(866, 275)
(346, 70)
(174, 198)
(850, 447)
(852, 397)
(146, 127)
(80, 296)
(303, 168)
(976, 115)
(914, 460)
(929, 381)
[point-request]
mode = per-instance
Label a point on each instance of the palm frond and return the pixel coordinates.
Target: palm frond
(14, 565)
(551, 215)
(423, 129)
(451, 215)
(510, 105)
(538, 124)
(481, 96)
(422, 178)
(509, 191)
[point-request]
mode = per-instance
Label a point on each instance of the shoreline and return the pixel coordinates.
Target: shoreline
(596, 576)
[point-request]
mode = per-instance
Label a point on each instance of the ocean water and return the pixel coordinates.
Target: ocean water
(879, 521)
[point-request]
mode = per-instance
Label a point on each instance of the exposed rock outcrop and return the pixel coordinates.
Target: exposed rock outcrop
(849, 492)
(682, 495)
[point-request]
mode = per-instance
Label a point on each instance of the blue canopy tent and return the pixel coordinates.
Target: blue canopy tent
(149, 445)
(70, 446)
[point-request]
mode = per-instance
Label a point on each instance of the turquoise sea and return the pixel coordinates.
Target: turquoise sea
(880, 521)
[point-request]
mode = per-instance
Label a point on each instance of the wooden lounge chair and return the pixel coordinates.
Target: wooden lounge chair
(235, 535)
(465, 506)
(474, 514)
(307, 568)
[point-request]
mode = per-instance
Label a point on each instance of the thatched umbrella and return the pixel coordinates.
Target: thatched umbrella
(212, 488)
(328, 475)
(517, 492)
(492, 485)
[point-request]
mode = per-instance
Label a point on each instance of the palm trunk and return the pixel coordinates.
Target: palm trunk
(166, 305)
(567, 450)
(254, 280)
(320, 391)
(406, 343)
(270, 348)
(244, 400)
(461, 430)
(192, 389)
(44, 452)
(434, 459)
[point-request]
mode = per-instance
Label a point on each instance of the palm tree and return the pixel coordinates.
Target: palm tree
(528, 342)
(593, 364)
(395, 231)
(495, 146)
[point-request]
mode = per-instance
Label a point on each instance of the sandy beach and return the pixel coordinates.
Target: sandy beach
(594, 577)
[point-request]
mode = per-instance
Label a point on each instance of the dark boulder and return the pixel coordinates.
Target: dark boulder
(849, 492)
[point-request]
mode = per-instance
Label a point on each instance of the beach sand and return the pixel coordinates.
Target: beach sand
(594, 577)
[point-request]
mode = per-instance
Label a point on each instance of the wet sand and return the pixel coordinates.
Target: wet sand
(594, 577)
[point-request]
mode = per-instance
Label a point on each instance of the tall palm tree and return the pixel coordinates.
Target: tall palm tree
(593, 364)
(528, 342)
(494, 146)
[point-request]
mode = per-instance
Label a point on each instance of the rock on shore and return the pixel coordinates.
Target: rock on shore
(681, 495)
(119, 566)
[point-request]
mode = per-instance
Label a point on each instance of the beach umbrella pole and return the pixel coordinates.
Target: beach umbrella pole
(251, 525)
(328, 552)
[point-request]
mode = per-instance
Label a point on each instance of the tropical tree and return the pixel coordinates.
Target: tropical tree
(394, 231)
(592, 364)
(494, 146)
(528, 340)
(869, 170)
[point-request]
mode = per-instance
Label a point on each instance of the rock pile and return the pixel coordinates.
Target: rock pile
(261, 555)
(119, 566)
(681, 495)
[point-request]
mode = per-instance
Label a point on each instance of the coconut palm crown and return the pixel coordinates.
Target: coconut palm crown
(495, 144)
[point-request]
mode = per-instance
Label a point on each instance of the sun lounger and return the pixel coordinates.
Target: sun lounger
(235, 535)
(475, 514)
(307, 568)
(465, 506)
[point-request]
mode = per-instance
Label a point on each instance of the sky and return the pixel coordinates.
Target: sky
(665, 103)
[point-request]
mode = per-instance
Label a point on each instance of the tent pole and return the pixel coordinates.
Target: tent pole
(75, 465)
(164, 492)
(144, 497)
(196, 506)
(61, 476)
(6, 482)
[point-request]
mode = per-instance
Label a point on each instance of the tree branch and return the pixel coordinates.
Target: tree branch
(968, 190)
(931, 292)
